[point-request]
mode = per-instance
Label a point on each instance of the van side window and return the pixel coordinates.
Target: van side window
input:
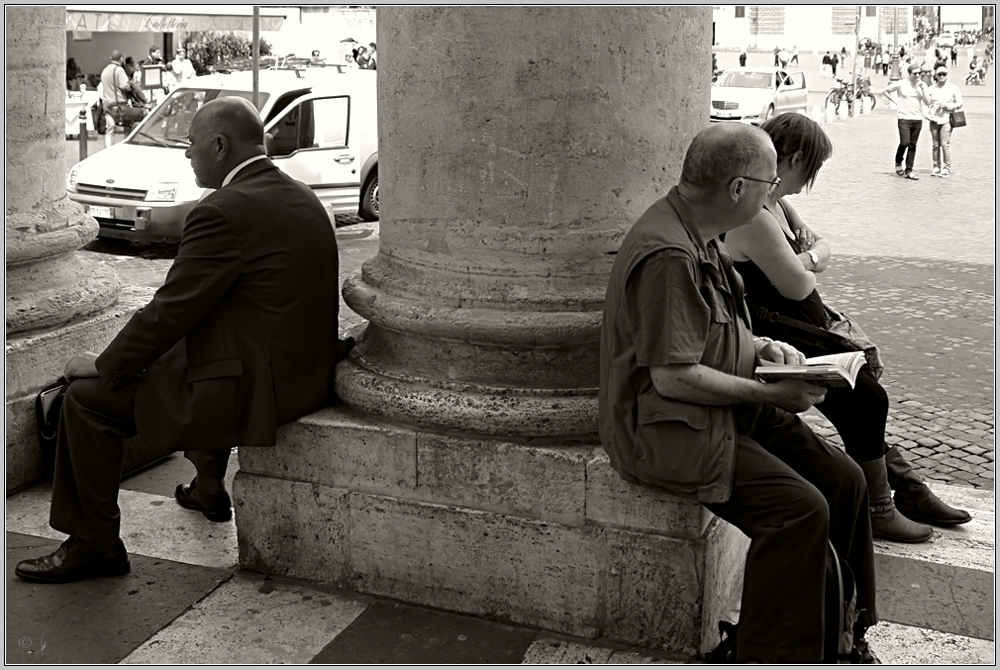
(294, 131)
(332, 122)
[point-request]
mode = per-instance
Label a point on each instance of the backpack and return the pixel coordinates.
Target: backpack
(839, 617)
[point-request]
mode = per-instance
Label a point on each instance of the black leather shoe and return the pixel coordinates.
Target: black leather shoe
(74, 561)
(219, 507)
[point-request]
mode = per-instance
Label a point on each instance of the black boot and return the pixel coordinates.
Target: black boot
(887, 522)
(914, 499)
(862, 653)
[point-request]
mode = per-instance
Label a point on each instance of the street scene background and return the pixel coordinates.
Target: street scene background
(914, 262)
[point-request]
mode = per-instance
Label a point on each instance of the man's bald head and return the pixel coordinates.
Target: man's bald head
(721, 152)
(224, 133)
(116, 55)
(233, 117)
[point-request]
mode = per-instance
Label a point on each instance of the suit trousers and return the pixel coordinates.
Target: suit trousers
(792, 491)
(93, 425)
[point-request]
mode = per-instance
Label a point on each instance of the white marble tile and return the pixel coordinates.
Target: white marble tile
(896, 644)
(251, 620)
(152, 525)
(971, 545)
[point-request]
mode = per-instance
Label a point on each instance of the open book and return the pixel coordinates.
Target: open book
(830, 370)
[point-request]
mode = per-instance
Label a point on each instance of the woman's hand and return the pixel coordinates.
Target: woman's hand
(805, 238)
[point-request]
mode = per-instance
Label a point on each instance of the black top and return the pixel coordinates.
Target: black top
(761, 293)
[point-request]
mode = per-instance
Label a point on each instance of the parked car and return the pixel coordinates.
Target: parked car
(755, 94)
(320, 128)
(945, 40)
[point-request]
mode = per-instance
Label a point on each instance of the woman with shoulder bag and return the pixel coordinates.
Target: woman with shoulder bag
(778, 257)
(945, 99)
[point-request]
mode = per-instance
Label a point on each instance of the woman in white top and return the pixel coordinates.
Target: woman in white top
(183, 69)
(945, 98)
(909, 117)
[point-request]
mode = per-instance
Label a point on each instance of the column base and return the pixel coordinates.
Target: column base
(541, 536)
(34, 361)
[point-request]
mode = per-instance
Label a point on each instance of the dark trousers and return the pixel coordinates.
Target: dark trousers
(859, 415)
(909, 131)
(791, 492)
(93, 425)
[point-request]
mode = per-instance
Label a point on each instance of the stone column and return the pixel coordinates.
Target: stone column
(517, 146)
(53, 295)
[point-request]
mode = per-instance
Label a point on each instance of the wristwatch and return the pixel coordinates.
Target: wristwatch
(813, 257)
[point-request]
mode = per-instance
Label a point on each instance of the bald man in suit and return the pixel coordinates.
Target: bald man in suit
(241, 338)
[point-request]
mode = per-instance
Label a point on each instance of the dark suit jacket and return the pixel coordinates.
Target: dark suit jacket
(242, 336)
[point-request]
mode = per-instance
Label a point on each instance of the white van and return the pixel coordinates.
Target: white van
(321, 128)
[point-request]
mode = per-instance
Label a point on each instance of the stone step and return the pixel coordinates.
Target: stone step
(945, 584)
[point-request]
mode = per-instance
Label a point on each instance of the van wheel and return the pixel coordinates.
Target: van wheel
(369, 198)
(769, 113)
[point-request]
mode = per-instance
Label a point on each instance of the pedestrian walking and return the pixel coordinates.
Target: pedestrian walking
(743, 57)
(777, 50)
(783, 58)
(878, 61)
(834, 61)
(826, 64)
(795, 55)
(945, 98)
(954, 55)
(910, 95)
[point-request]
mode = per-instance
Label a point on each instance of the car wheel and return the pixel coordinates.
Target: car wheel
(369, 198)
(769, 113)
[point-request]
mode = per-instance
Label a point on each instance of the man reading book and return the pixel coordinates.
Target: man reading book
(681, 411)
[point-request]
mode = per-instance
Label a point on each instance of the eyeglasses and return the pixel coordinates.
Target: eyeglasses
(770, 190)
(941, 74)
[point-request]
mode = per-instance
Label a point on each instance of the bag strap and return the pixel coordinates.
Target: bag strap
(765, 314)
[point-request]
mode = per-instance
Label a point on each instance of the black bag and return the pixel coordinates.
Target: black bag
(47, 407)
(100, 122)
(843, 334)
(48, 404)
(840, 617)
(957, 119)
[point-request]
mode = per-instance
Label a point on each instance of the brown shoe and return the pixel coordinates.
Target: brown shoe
(74, 561)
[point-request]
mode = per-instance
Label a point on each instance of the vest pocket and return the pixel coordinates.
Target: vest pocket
(673, 442)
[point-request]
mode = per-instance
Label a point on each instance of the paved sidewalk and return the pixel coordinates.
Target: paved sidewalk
(186, 601)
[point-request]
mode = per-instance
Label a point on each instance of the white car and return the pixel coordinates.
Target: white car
(945, 40)
(755, 94)
(321, 129)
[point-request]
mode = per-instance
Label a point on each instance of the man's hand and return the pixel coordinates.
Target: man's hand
(780, 353)
(795, 395)
(81, 365)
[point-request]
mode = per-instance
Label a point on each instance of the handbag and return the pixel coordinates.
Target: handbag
(841, 335)
(137, 454)
(958, 119)
(48, 404)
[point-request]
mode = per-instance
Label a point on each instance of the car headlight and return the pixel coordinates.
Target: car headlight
(162, 192)
(71, 178)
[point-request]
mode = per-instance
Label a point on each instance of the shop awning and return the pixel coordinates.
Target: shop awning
(169, 18)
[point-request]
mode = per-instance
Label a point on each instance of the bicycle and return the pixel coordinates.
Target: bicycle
(861, 90)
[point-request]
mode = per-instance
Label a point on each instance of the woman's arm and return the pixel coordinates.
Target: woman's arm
(764, 243)
(809, 240)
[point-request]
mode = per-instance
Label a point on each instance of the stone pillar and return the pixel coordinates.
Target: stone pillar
(517, 147)
(53, 295)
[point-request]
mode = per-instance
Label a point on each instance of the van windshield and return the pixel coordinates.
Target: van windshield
(168, 125)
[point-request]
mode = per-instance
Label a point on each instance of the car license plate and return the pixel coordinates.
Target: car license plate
(103, 212)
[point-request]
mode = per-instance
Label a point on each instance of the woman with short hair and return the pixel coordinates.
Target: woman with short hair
(779, 257)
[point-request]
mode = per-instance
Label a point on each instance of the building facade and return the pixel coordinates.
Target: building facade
(814, 28)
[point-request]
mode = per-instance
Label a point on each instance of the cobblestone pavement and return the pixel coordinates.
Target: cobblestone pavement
(914, 262)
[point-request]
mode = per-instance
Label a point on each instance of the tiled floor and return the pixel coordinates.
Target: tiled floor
(186, 602)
